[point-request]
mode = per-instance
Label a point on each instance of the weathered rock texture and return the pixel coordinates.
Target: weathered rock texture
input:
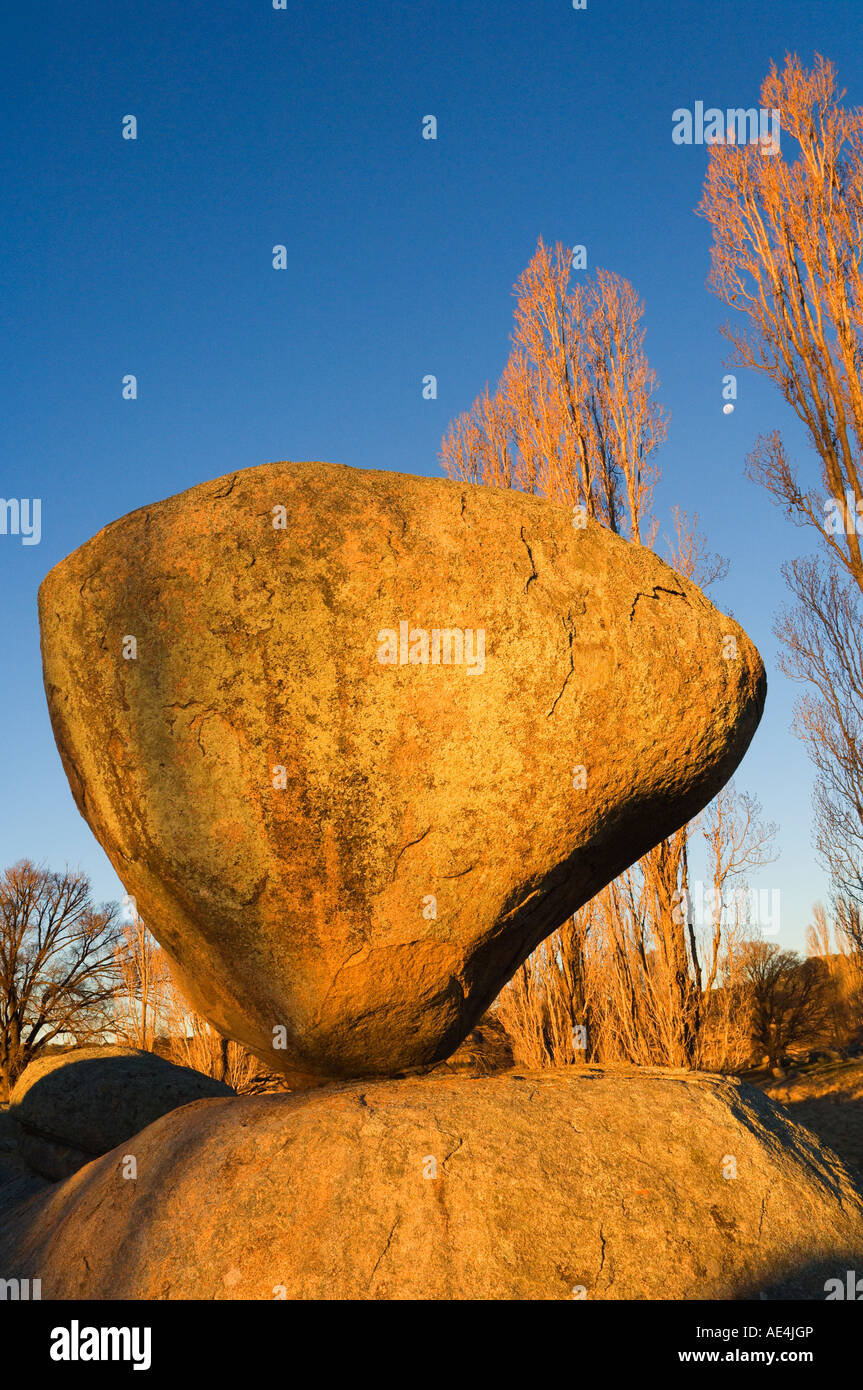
(12, 1165)
(356, 853)
(605, 1185)
(73, 1106)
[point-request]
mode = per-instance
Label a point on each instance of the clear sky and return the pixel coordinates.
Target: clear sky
(302, 126)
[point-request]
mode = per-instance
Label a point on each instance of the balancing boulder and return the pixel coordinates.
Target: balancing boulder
(357, 741)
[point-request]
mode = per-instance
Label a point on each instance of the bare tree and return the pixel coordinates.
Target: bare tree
(823, 638)
(57, 959)
(788, 996)
(849, 926)
(143, 993)
(739, 842)
(574, 416)
(634, 976)
(787, 254)
(829, 943)
(544, 1007)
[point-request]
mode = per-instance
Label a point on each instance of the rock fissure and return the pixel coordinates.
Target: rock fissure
(534, 574)
(654, 593)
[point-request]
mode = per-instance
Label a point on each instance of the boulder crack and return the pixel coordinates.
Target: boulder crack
(570, 635)
(534, 572)
(406, 847)
(384, 1251)
(656, 591)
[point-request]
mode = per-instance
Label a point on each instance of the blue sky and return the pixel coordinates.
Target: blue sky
(303, 127)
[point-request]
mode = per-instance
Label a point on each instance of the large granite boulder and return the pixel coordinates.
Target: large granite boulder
(72, 1106)
(581, 1183)
(356, 742)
